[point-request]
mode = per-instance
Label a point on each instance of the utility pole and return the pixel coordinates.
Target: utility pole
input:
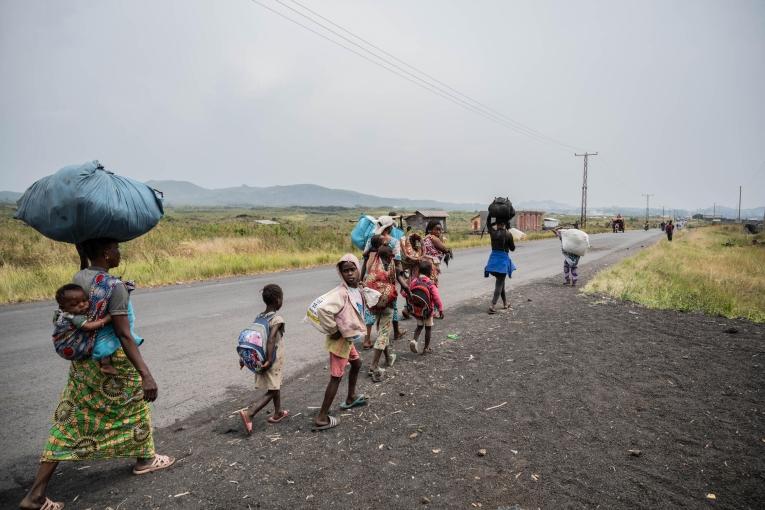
(583, 216)
(739, 204)
(662, 212)
(647, 197)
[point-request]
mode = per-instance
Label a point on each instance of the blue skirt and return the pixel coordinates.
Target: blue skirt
(499, 263)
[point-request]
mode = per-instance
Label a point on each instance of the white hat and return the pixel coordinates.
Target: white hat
(384, 222)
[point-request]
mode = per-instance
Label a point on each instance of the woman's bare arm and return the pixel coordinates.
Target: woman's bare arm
(122, 329)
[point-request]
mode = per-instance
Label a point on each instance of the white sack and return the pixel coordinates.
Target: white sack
(575, 241)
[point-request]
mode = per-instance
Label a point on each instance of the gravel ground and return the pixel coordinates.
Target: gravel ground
(568, 401)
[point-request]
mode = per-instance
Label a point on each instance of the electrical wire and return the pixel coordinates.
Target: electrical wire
(433, 78)
(411, 77)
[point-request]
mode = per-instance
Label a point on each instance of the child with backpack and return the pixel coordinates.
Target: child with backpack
(267, 361)
(341, 317)
(426, 304)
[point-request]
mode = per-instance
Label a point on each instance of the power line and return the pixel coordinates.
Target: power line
(423, 73)
(397, 70)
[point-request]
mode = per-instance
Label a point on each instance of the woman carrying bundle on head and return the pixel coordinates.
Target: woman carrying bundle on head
(500, 266)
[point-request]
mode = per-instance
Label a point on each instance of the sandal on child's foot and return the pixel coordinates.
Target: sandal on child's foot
(274, 418)
(492, 310)
(246, 420)
(413, 346)
(391, 360)
(378, 375)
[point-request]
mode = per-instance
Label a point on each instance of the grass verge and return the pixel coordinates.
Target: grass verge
(715, 270)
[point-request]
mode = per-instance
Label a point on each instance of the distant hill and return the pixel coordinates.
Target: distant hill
(182, 193)
(9, 197)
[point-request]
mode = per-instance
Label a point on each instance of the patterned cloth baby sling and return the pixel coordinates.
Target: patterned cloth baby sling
(74, 344)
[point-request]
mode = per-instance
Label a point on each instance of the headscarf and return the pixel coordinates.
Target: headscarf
(348, 257)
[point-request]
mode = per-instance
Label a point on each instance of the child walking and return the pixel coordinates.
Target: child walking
(382, 275)
(342, 314)
(270, 376)
(425, 293)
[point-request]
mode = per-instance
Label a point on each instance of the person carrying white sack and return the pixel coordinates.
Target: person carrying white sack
(574, 244)
(339, 314)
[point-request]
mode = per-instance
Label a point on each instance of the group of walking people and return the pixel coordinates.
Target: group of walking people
(409, 266)
(104, 410)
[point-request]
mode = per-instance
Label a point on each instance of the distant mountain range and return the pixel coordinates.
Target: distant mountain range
(180, 193)
(183, 193)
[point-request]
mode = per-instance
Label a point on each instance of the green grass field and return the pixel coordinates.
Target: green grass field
(196, 244)
(717, 270)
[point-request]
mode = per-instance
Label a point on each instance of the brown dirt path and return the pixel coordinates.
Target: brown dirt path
(557, 393)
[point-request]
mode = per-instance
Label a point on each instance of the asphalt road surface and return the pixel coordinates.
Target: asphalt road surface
(191, 332)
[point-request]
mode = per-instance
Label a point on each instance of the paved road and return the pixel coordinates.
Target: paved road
(190, 333)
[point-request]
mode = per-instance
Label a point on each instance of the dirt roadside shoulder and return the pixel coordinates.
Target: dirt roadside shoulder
(568, 401)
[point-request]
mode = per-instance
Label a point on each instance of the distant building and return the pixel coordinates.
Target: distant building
(551, 223)
(478, 221)
(527, 221)
(419, 220)
(266, 222)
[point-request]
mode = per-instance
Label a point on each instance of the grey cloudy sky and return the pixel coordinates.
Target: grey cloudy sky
(224, 93)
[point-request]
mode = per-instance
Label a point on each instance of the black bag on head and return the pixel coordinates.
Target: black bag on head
(501, 210)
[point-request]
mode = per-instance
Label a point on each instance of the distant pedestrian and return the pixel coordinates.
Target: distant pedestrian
(342, 314)
(662, 226)
(499, 265)
(270, 376)
(426, 305)
(570, 264)
(669, 230)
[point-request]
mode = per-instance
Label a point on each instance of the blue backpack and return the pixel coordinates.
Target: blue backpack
(253, 342)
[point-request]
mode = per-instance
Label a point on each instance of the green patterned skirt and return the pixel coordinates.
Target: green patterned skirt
(100, 416)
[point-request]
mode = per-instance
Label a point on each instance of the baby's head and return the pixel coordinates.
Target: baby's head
(385, 253)
(426, 268)
(73, 299)
(272, 296)
(375, 242)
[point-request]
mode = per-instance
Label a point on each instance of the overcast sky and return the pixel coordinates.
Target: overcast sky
(671, 94)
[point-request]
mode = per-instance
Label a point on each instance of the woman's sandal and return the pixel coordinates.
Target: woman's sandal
(246, 420)
(159, 462)
(284, 414)
(49, 504)
(332, 423)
